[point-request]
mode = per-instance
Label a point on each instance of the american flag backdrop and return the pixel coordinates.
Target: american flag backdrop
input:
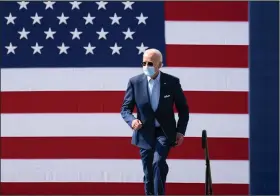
(64, 70)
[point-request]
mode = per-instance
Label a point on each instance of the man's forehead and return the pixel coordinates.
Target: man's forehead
(151, 55)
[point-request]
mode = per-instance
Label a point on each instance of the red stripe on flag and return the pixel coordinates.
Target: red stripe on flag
(76, 188)
(224, 56)
(89, 147)
(110, 102)
(206, 11)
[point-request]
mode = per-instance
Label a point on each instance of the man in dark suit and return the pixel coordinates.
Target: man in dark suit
(155, 130)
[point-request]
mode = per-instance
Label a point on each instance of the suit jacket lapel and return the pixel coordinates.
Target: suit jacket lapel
(145, 87)
(162, 89)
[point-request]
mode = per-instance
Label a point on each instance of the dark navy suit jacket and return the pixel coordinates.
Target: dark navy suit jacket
(171, 93)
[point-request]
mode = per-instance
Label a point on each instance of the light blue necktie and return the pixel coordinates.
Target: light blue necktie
(152, 94)
(153, 97)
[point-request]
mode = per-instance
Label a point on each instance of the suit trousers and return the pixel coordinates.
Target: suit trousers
(155, 166)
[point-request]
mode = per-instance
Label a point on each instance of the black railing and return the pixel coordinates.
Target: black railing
(208, 178)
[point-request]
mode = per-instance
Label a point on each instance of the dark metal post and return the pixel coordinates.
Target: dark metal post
(208, 177)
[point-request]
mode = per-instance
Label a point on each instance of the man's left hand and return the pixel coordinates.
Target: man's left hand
(179, 139)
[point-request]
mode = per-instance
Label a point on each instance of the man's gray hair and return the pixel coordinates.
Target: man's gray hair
(156, 51)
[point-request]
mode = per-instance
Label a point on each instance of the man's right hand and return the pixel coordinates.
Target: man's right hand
(136, 124)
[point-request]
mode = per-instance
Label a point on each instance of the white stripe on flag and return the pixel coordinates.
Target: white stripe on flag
(112, 170)
(207, 33)
(33, 125)
(63, 79)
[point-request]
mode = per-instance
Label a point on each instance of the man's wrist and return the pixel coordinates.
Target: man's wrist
(178, 133)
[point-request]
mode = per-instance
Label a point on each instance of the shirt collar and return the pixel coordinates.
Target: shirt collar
(157, 78)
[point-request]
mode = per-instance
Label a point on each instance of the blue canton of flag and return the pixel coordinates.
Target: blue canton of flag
(79, 34)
